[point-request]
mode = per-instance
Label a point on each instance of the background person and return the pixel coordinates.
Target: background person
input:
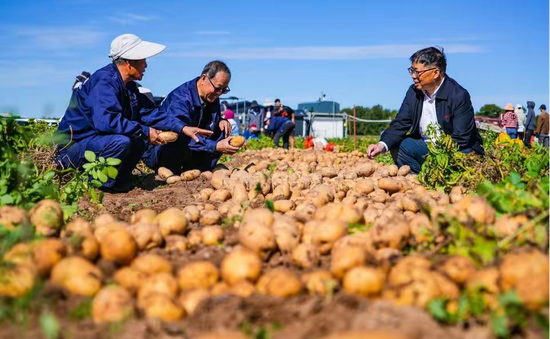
(229, 115)
(288, 113)
(520, 113)
(509, 121)
(434, 98)
(104, 113)
(542, 126)
(529, 123)
(252, 133)
(193, 109)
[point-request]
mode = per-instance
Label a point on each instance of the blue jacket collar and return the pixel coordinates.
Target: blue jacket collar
(195, 99)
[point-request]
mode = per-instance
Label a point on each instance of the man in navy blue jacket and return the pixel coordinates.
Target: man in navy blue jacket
(104, 114)
(194, 110)
(434, 98)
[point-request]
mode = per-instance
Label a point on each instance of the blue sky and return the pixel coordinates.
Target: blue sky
(356, 52)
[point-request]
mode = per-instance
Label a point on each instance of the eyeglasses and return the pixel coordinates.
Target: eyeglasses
(412, 71)
(220, 90)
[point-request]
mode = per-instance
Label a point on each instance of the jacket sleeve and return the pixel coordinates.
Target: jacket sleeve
(107, 113)
(463, 121)
(539, 125)
(162, 118)
(401, 125)
(530, 120)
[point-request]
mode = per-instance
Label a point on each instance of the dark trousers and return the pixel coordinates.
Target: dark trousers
(410, 152)
(285, 132)
(527, 139)
(177, 157)
(121, 147)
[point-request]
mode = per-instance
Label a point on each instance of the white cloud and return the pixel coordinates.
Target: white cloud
(322, 52)
(57, 38)
(131, 18)
(212, 32)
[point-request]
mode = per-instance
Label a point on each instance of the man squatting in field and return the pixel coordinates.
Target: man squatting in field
(110, 117)
(434, 98)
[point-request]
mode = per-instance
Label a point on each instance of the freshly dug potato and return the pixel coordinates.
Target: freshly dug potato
(329, 172)
(240, 265)
(281, 192)
(367, 335)
(112, 304)
(198, 274)
(17, 281)
(239, 193)
(391, 185)
(191, 299)
(534, 292)
(320, 195)
(237, 141)
(119, 247)
(508, 225)
(151, 264)
(175, 243)
(421, 229)
(171, 221)
(220, 288)
(212, 235)
(458, 268)
(279, 282)
(190, 175)
(103, 220)
(447, 288)
(47, 253)
(319, 282)
(130, 278)
(192, 213)
(345, 258)
(486, 282)
(287, 234)
(164, 173)
(77, 226)
(77, 275)
(364, 281)
(256, 236)
(173, 179)
(86, 247)
(324, 233)
(219, 178)
(393, 170)
(208, 218)
(476, 209)
(365, 170)
(410, 203)
(516, 267)
(160, 283)
(404, 170)
(242, 289)
(144, 216)
(101, 231)
(220, 195)
(47, 216)
(283, 206)
(306, 255)
(206, 175)
(162, 307)
(147, 236)
(457, 193)
(413, 287)
(338, 211)
(168, 137)
(392, 232)
(12, 216)
(194, 238)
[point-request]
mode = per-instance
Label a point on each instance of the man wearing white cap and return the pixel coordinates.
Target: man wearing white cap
(104, 114)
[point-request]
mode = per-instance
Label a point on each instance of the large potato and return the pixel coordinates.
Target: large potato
(218, 178)
(208, 218)
(17, 281)
(257, 236)
(47, 253)
(112, 304)
(240, 265)
(176, 243)
(160, 283)
(168, 137)
(192, 213)
(164, 173)
(345, 258)
(144, 216)
(162, 307)
(364, 281)
(283, 206)
(324, 233)
(119, 247)
(392, 231)
(516, 267)
(212, 235)
(130, 278)
(458, 268)
(281, 192)
(147, 236)
(171, 221)
(239, 194)
(103, 220)
(198, 274)
(287, 234)
(86, 247)
(280, 282)
(173, 179)
(237, 141)
(319, 282)
(190, 175)
(77, 226)
(77, 275)
(306, 255)
(220, 195)
(151, 264)
(11, 216)
(47, 216)
(342, 212)
(421, 229)
(191, 299)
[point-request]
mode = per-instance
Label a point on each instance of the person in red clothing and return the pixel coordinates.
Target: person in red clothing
(509, 121)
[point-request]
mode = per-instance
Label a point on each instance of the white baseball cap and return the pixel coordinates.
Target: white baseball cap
(131, 47)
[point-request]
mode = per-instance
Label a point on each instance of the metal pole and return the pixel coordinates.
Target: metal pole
(354, 126)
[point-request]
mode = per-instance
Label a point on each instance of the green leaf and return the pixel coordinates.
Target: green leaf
(88, 166)
(49, 175)
(102, 160)
(90, 156)
(112, 172)
(437, 309)
(49, 325)
(96, 183)
(113, 161)
(102, 176)
(269, 205)
(499, 325)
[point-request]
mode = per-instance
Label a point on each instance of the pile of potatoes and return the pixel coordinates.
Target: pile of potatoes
(318, 199)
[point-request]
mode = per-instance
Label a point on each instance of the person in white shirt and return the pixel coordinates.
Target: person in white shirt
(434, 98)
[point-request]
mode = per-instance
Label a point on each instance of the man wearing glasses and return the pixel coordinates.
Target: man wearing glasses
(434, 98)
(193, 110)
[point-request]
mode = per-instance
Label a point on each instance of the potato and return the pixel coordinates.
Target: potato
(77, 275)
(190, 175)
(410, 203)
(256, 236)
(77, 226)
(171, 221)
(283, 206)
(145, 216)
(220, 288)
(220, 195)
(194, 238)
(281, 192)
(173, 179)
(447, 288)
(514, 268)
(533, 292)
(393, 170)
(101, 231)
(164, 173)
(319, 282)
(329, 172)
(162, 307)
(103, 220)
(390, 185)
(324, 233)
(379, 196)
(345, 258)
(86, 247)
(287, 234)
(507, 225)
(237, 141)
(47, 216)
(242, 289)
(130, 278)
(458, 268)
(12, 216)
(168, 137)
(112, 304)
(212, 235)
(218, 178)
(17, 281)
(119, 247)
(47, 253)
(160, 283)
(240, 265)
(486, 282)
(306, 255)
(421, 230)
(191, 299)
(151, 264)
(404, 170)
(366, 335)
(342, 212)
(147, 236)
(365, 170)
(208, 218)
(320, 195)
(223, 335)
(280, 282)
(175, 243)
(476, 209)
(206, 175)
(364, 281)
(191, 213)
(198, 274)
(392, 232)
(413, 287)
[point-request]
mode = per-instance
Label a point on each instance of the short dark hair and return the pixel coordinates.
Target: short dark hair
(431, 56)
(214, 67)
(542, 107)
(277, 100)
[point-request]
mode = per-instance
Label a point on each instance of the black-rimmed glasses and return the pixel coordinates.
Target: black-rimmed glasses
(220, 90)
(412, 71)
